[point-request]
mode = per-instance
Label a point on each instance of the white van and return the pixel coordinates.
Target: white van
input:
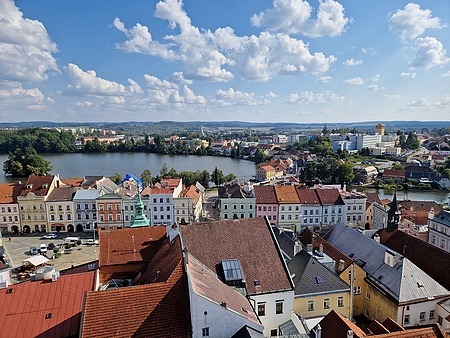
(71, 240)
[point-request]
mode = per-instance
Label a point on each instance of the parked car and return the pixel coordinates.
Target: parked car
(51, 246)
(43, 248)
(49, 236)
(91, 242)
(33, 250)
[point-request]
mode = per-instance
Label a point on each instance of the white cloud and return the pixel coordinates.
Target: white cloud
(325, 79)
(87, 83)
(352, 62)
(152, 82)
(178, 78)
(84, 104)
(429, 53)
(444, 104)
(25, 47)
(408, 74)
(190, 97)
(233, 97)
(310, 97)
(374, 88)
(272, 95)
(396, 96)
(295, 16)
(447, 74)
(412, 21)
(355, 81)
(334, 97)
(134, 87)
(366, 50)
(376, 78)
(13, 95)
(212, 56)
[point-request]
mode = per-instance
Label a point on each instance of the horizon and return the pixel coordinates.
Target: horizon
(296, 61)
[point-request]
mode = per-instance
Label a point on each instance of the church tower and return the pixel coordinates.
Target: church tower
(140, 220)
(393, 215)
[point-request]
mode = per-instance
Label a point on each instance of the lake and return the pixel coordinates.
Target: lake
(437, 196)
(107, 164)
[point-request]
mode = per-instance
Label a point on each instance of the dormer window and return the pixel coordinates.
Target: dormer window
(232, 270)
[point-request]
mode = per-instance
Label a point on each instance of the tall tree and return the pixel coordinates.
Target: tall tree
(346, 174)
(146, 176)
(116, 178)
(164, 170)
(22, 163)
(217, 177)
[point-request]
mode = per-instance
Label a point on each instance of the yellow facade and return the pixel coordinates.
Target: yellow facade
(320, 305)
(358, 287)
(378, 306)
(32, 213)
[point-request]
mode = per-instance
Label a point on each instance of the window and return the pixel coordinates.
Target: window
(439, 320)
(442, 243)
(101, 207)
(155, 208)
(431, 314)
(154, 200)
(167, 200)
(433, 240)
(348, 218)
(51, 208)
(357, 290)
(367, 295)
(259, 208)
(310, 305)
(225, 206)
(161, 200)
(282, 217)
(168, 208)
(274, 209)
(109, 206)
(242, 207)
(60, 207)
(205, 332)
(422, 316)
(242, 216)
(406, 320)
(282, 208)
(234, 206)
(340, 301)
(251, 206)
(348, 207)
(326, 303)
(110, 217)
(279, 307)
(261, 309)
(225, 216)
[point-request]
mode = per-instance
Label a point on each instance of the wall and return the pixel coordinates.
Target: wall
(379, 307)
(414, 313)
(301, 305)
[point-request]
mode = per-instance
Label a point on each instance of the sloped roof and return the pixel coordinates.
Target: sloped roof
(286, 194)
(330, 197)
(443, 218)
(428, 257)
(38, 185)
(61, 194)
(265, 194)
(73, 182)
(394, 173)
(336, 325)
(240, 239)
(9, 192)
(156, 191)
(121, 246)
(371, 198)
(28, 304)
(90, 194)
(428, 332)
(308, 196)
(403, 282)
(285, 241)
(248, 332)
(192, 192)
(307, 272)
(159, 309)
(170, 182)
(207, 284)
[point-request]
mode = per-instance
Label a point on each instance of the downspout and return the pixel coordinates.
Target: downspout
(352, 276)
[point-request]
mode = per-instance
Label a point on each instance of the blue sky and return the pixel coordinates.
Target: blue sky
(207, 60)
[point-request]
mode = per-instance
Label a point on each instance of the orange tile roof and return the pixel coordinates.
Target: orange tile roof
(74, 181)
(425, 332)
(240, 239)
(308, 196)
(25, 308)
(122, 246)
(330, 197)
(286, 194)
(154, 191)
(170, 182)
(158, 309)
(9, 192)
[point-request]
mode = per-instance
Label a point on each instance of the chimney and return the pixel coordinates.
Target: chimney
(297, 247)
(376, 237)
(321, 248)
(341, 265)
(349, 334)
(318, 331)
(186, 254)
(314, 242)
(309, 248)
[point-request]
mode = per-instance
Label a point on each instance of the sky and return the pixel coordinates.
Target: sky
(207, 60)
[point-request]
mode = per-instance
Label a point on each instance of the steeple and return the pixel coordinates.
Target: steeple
(140, 220)
(393, 215)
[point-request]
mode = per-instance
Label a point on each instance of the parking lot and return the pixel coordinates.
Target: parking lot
(18, 248)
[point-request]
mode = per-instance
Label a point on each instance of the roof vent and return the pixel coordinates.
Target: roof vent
(48, 315)
(9, 291)
(256, 282)
(224, 304)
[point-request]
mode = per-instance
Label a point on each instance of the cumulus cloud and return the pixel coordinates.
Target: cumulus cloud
(325, 79)
(25, 46)
(376, 78)
(214, 55)
(429, 53)
(395, 96)
(295, 16)
(412, 21)
(152, 82)
(355, 81)
(87, 83)
(178, 78)
(444, 104)
(408, 74)
(447, 74)
(233, 97)
(422, 103)
(310, 97)
(13, 94)
(134, 87)
(272, 95)
(374, 88)
(352, 62)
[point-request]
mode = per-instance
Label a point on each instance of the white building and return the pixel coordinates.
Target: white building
(439, 230)
(85, 209)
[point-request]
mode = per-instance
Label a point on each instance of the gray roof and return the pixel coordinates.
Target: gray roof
(285, 241)
(83, 195)
(404, 281)
(311, 277)
(443, 218)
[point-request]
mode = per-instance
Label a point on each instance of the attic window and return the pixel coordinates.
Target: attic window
(319, 280)
(9, 291)
(256, 282)
(232, 270)
(48, 315)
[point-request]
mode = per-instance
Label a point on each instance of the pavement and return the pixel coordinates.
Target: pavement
(18, 249)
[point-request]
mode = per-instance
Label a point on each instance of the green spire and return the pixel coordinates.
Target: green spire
(140, 220)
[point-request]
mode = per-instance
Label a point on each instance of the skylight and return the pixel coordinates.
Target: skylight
(232, 270)
(319, 280)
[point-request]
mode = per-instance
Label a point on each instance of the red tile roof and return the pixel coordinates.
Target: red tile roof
(308, 196)
(192, 192)
(265, 194)
(158, 309)
(336, 325)
(24, 309)
(73, 182)
(286, 194)
(240, 239)
(38, 185)
(330, 197)
(9, 192)
(425, 332)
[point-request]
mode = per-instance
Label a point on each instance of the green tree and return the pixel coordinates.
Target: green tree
(446, 173)
(310, 170)
(260, 156)
(164, 170)
(345, 173)
(205, 178)
(146, 176)
(323, 170)
(188, 177)
(230, 177)
(398, 166)
(116, 178)
(217, 177)
(27, 162)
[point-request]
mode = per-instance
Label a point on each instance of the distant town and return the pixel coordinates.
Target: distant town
(299, 250)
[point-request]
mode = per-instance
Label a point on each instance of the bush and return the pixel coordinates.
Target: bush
(67, 246)
(79, 242)
(55, 250)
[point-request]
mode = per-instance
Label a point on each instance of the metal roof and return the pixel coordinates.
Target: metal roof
(90, 194)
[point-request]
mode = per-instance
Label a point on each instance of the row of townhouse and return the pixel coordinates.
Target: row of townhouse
(46, 203)
(292, 206)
